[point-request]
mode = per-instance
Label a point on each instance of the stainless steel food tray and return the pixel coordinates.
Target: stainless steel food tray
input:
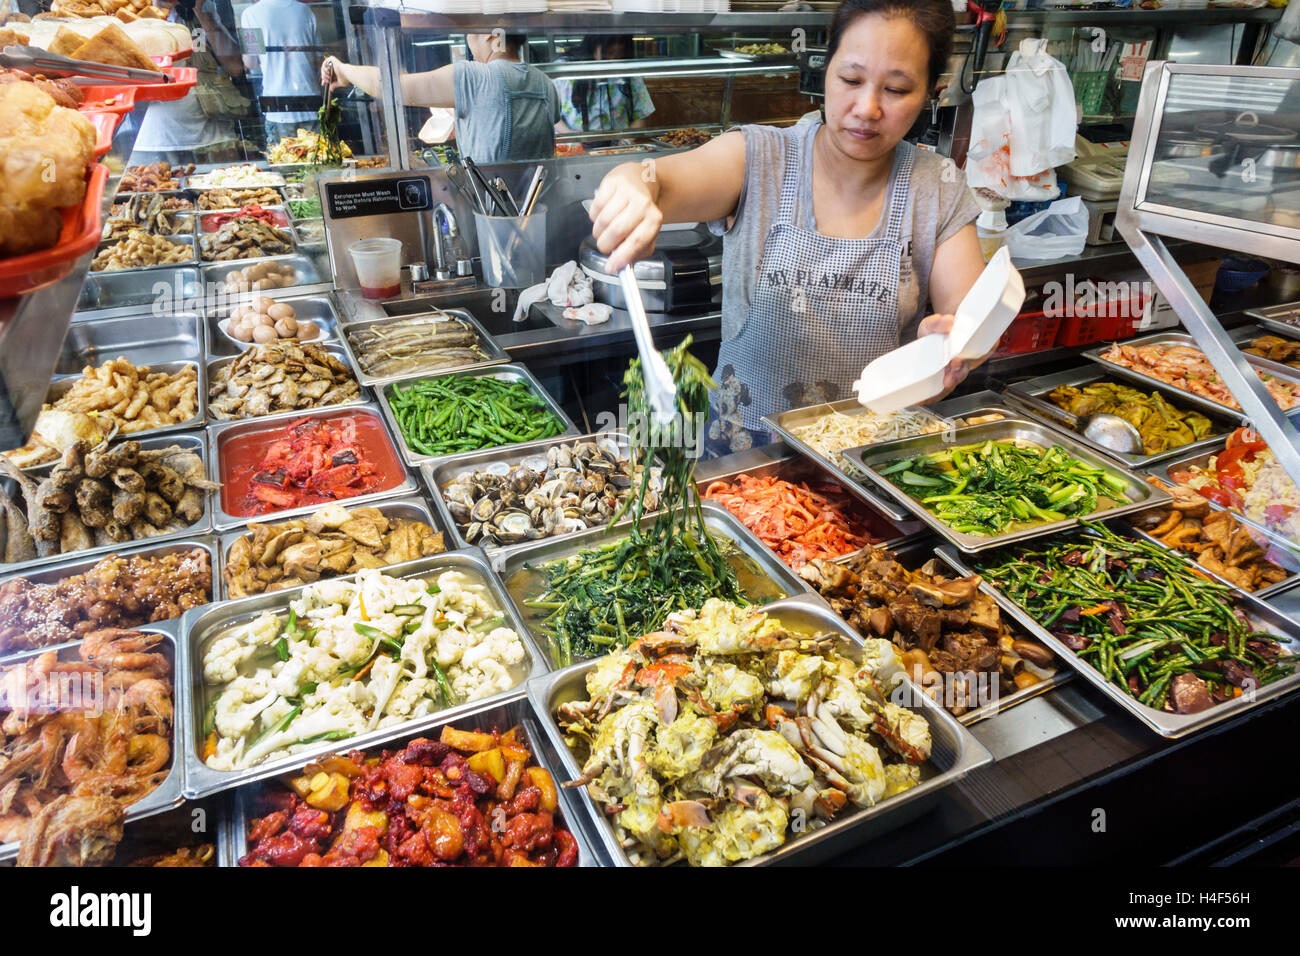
(188, 825)
(1141, 494)
(1274, 318)
(220, 435)
(506, 373)
(309, 308)
(306, 241)
(54, 573)
(202, 625)
(1281, 372)
(1062, 675)
(280, 190)
(1200, 459)
(720, 522)
(185, 217)
(1039, 388)
(414, 508)
(1277, 550)
(984, 402)
(505, 714)
(199, 179)
(186, 240)
(733, 54)
(168, 793)
(496, 355)
(151, 338)
(191, 441)
(913, 555)
(1167, 725)
(126, 292)
(449, 469)
(215, 366)
(784, 424)
(954, 754)
(287, 229)
(214, 279)
(202, 214)
(795, 468)
(164, 343)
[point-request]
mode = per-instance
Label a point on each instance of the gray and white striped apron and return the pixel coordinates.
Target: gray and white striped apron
(822, 309)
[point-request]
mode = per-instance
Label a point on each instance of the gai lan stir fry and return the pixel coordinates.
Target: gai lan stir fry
(985, 489)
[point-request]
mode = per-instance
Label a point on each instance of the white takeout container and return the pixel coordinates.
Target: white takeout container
(905, 376)
(914, 372)
(988, 309)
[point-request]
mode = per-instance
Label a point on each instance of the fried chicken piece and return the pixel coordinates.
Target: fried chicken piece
(73, 831)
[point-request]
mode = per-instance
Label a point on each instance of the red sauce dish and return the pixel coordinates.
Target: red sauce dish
(310, 460)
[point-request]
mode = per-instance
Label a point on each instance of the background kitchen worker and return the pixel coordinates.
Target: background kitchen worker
(505, 109)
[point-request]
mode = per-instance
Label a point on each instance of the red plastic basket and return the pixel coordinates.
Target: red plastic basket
(183, 80)
(108, 99)
(1102, 323)
(1030, 332)
(105, 126)
(81, 227)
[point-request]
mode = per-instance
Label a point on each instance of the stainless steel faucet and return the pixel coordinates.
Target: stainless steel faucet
(442, 213)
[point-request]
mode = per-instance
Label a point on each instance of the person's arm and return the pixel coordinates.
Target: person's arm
(434, 88)
(635, 199)
(958, 262)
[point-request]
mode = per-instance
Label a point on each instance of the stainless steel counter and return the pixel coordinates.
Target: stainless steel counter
(544, 337)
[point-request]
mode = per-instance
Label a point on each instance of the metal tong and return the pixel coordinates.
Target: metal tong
(658, 380)
(35, 60)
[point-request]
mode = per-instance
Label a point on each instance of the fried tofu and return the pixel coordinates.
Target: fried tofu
(111, 45)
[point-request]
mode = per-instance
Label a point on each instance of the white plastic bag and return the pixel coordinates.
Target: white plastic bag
(1059, 230)
(1023, 125)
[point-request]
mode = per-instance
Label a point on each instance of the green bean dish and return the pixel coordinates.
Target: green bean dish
(1144, 617)
(459, 413)
(985, 489)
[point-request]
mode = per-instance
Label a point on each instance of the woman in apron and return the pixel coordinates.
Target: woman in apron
(505, 109)
(836, 234)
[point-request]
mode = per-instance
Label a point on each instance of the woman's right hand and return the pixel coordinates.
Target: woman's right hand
(625, 219)
(332, 73)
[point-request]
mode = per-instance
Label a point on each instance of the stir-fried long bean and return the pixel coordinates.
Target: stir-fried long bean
(1142, 616)
(984, 489)
(456, 413)
(608, 596)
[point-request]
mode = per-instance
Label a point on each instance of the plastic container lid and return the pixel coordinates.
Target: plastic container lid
(914, 372)
(988, 309)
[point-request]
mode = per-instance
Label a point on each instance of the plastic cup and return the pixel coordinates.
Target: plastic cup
(379, 266)
(513, 249)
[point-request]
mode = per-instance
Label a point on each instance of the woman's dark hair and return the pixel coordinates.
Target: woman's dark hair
(934, 18)
(582, 89)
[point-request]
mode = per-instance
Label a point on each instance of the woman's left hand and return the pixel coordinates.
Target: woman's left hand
(957, 369)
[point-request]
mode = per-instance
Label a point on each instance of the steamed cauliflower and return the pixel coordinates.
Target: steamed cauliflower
(361, 653)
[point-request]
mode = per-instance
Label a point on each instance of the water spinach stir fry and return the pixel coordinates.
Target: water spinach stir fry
(1145, 618)
(329, 149)
(607, 596)
(984, 489)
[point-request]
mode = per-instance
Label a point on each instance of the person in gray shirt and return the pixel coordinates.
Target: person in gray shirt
(836, 234)
(505, 109)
